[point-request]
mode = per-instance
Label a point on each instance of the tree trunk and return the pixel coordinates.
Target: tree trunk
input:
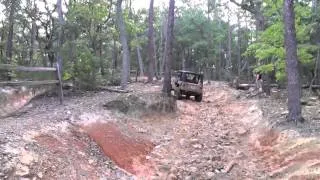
(140, 61)
(315, 7)
(292, 65)
(163, 44)
(114, 55)
(32, 39)
(229, 60)
(72, 57)
(168, 50)
(60, 35)
(151, 50)
(59, 52)
(1, 47)
(239, 46)
(9, 47)
(183, 59)
(156, 71)
(101, 59)
(126, 53)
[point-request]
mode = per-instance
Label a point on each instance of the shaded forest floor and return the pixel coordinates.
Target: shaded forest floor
(226, 136)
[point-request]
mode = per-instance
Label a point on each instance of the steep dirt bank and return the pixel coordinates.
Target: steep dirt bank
(287, 151)
(12, 99)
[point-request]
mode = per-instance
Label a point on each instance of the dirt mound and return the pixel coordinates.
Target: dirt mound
(127, 152)
(12, 99)
(143, 103)
(292, 158)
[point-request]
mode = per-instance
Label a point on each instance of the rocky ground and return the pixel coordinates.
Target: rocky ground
(226, 136)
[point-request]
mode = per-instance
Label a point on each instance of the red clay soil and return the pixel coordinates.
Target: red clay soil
(269, 139)
(50, 143)
(306, 177)
(272, 160)
(306, 156)
(127, 152)
(59, 152)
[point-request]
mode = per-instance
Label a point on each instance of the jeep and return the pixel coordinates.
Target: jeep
(189, 84)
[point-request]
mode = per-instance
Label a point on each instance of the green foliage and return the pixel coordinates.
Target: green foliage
(269, 49)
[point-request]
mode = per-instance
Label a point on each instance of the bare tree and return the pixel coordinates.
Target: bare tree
(151, 50)
(292, 64)
(168, 50)
(124, 43)
(255, 8)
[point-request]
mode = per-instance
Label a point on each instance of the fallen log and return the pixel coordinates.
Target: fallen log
(254, 85)
(244, 86)
(312, 86)
(113, 90)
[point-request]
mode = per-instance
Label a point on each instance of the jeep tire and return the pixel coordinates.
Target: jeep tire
(177, 93)
(187, 96)
(198, 98)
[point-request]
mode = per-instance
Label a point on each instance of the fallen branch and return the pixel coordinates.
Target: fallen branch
(230, 166)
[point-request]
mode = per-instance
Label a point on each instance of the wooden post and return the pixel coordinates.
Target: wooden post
(60, 90)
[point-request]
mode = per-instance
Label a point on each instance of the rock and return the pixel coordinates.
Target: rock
(154, 178)
(143, 103)
(240, 154)
(242, 131)
(193, 169)
(194, 141)
(91, 161)
(141, 130)
(27, 157)
(313, 99)
(217, 171)
(306, 102)
(172, 177)
(197, 146)
(173, 170)
(182, 142)
(40, 175)
(210, 175)
(188, 178)
(164, 168)
(22, 170)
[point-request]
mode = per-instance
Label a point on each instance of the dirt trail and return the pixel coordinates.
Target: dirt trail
(223, 137)
(208, 139)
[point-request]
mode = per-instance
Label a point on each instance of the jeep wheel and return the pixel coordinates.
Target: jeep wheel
(198, 98)
(187, 96)
(177, 93)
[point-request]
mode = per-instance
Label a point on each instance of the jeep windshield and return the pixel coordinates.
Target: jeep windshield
(189, 77)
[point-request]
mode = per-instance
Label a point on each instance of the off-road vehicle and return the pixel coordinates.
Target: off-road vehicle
(189, 84)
